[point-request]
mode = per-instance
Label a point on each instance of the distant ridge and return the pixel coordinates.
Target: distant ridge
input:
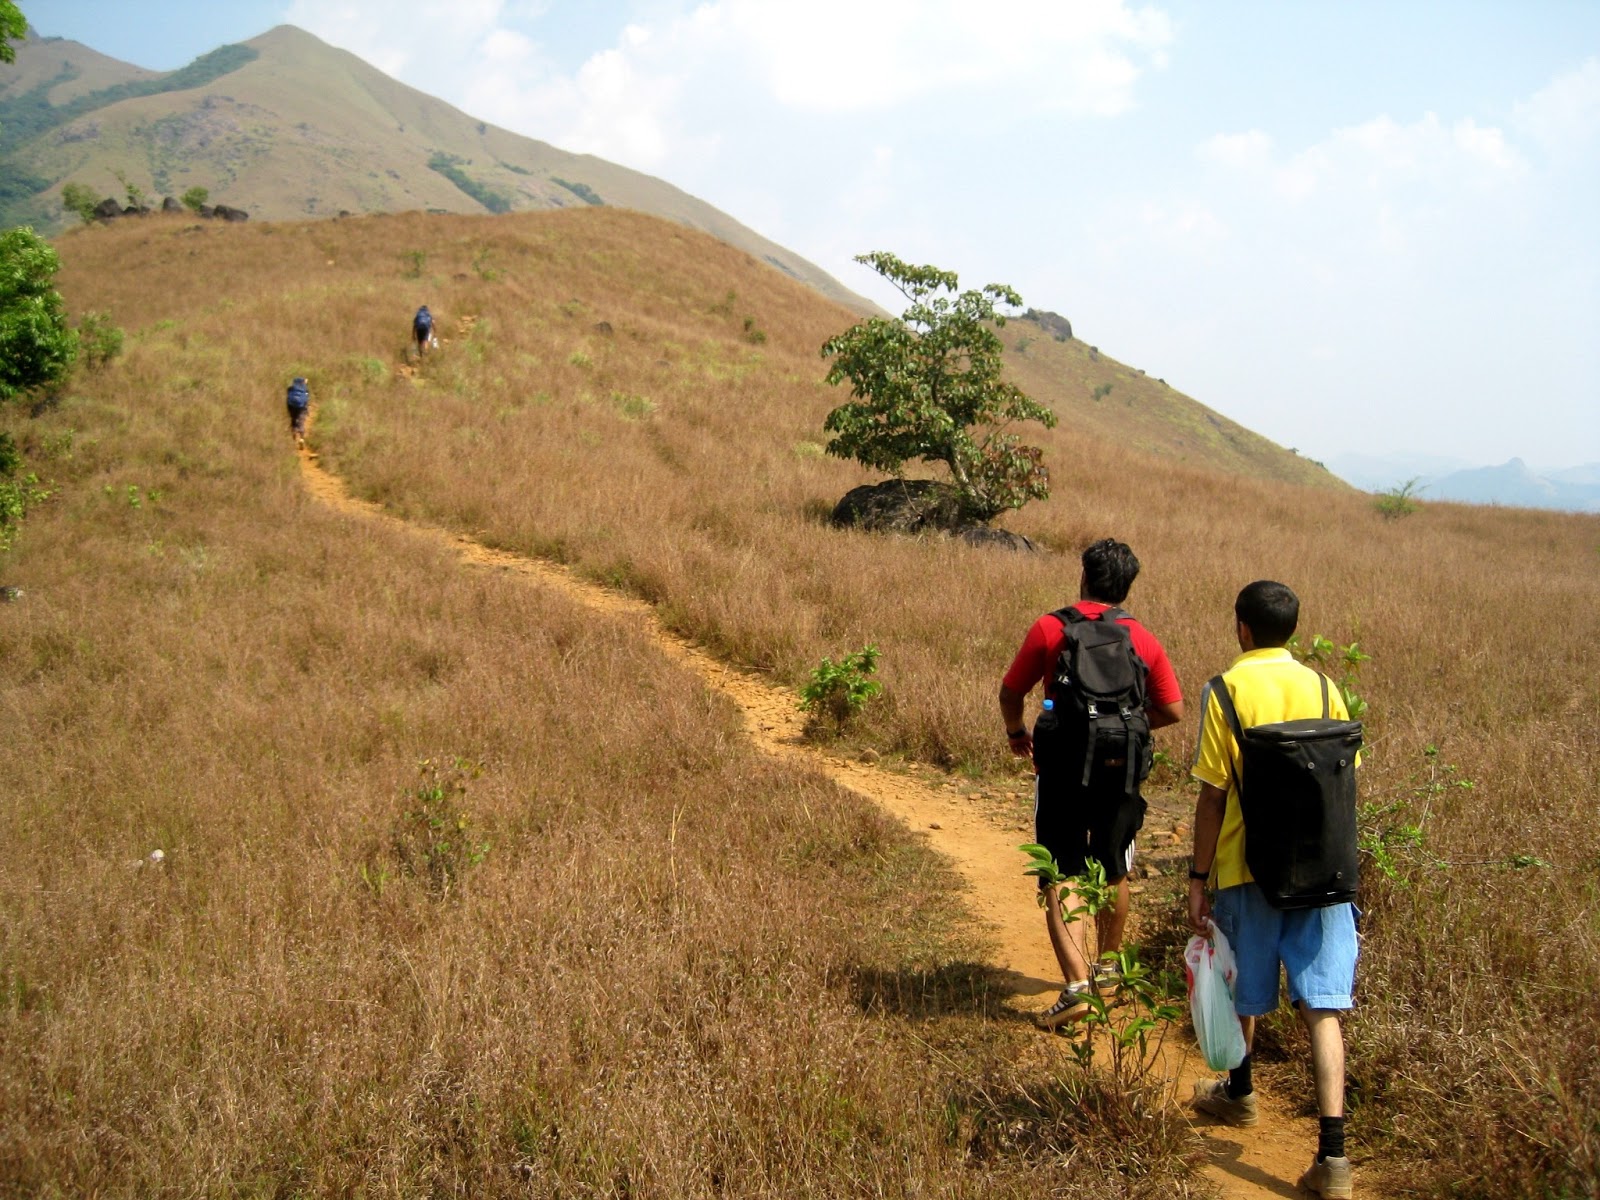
(287, 127)
(1514, 483)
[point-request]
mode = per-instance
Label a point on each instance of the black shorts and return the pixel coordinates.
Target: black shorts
(297, 420)
(1076, 828)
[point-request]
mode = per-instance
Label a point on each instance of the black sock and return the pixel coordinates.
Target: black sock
(1330, 1137)
(1239, 1084)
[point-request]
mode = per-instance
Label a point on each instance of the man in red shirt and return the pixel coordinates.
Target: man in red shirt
(1066, 820)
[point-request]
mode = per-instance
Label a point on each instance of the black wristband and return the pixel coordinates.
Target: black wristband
(1202, 876)
(1017, 734)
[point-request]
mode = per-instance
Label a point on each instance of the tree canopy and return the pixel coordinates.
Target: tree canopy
(13, 28)
(927, 386)
(36, 343)
(78, 198)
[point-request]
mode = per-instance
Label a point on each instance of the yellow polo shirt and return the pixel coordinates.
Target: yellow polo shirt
(1267, 686)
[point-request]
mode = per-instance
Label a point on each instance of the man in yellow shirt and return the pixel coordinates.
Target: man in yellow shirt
(1316, 946)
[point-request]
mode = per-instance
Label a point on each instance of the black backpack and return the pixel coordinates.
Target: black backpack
(1297, 793)
(1096, 735)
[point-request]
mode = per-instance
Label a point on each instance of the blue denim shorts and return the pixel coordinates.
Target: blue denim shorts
(1317, 947)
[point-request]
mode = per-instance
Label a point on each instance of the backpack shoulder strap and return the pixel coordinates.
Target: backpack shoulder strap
(1324, 679)
(1225, 702)
(1069, 616)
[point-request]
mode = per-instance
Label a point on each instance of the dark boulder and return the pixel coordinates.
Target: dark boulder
(107, 209)
(921, 506)
(1054, 324)
(900, 506)
(168, 204)
(225, 213)
(207, 211)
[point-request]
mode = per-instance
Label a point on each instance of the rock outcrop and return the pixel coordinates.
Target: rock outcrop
(919, 506)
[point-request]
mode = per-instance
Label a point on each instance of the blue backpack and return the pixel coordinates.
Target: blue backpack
(422, 323)
(299, 395)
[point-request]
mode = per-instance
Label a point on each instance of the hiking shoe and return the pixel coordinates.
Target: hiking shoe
(1107, 979)
(1211, 1097)
(1329, 1178)
(1071, 1005)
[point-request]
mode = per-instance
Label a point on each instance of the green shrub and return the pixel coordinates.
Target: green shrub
(99, 341)
(77, 198)
(36, 343)
(838, 691)
(435, 840)
(1398, 501)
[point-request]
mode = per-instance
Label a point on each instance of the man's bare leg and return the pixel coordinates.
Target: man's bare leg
(1111, 921)
(1327, 1058)
(1066, 939)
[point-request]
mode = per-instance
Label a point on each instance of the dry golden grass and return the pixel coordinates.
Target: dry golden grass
(236, 673)
(679, 969)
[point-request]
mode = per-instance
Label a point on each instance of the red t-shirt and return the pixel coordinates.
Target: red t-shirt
(1037, 657)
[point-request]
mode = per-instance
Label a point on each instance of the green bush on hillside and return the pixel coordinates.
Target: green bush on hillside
(79, 199)
(1398, 501)
(36, 343)
(449, 165)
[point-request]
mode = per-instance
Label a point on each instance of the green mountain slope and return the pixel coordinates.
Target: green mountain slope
(303, 129)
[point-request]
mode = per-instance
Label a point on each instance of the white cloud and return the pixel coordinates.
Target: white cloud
(1564, 116)
(1242, 151)
(1375, 158)
(1081, 56)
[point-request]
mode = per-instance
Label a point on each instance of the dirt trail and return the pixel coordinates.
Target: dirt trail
(974, 833)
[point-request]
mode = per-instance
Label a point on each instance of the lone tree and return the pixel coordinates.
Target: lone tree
(36, 343)
(13, 28)
(195, 199)
(927, 386)
(77, 198)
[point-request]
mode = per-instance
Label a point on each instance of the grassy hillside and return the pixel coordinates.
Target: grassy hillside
(302, 129)
(65, 69)
(207, 660)
(1113, 402)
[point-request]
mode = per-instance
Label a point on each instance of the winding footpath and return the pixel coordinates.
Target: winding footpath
(1265, 1161)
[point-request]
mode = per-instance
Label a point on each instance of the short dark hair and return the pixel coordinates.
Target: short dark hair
(1270, 611)
(1109, 569)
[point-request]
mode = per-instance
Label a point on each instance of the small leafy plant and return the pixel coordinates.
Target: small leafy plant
(1399, 501)
(1329, 658)
(18, 492)
(838, 691)
(99, 341)
(1149, 999)
(435, 839)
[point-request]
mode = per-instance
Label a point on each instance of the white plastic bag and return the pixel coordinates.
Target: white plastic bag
(1208, 963)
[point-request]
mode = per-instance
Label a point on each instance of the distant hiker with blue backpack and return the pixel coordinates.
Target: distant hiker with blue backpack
(422, 329)
(1107, 684)
(1275, 835)
(299, 405)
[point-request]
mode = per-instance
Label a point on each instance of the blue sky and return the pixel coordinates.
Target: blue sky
(1361, 227)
